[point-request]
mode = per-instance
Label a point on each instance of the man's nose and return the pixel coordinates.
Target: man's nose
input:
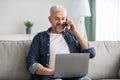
(60, 21)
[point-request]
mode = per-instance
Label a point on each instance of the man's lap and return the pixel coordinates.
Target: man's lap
(50, 78)
(83, 78)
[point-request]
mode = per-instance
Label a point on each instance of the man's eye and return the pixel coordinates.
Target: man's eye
(56, 19)
(63, 19)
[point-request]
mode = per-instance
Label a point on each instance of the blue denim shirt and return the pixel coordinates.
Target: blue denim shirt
(39, 51)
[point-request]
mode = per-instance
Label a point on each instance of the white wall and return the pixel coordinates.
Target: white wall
(108, 20)
(13, 13)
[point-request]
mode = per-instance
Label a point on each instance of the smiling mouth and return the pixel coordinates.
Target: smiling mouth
(62, 25)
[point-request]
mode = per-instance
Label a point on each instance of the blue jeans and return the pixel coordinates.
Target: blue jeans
(49, 78)
(83, 78)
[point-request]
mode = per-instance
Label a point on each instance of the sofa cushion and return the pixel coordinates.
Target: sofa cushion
(107, 61)
(12, 60)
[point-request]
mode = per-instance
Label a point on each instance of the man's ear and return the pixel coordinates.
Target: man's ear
(49, 18)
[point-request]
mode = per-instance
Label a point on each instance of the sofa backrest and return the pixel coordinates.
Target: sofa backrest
(12, 60)
(106, 64)
(13, 57)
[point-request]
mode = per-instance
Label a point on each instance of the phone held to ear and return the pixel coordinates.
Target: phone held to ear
(66, 25)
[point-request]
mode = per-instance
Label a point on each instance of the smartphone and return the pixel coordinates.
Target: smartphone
(66, 25)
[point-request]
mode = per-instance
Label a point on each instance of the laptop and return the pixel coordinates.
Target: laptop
(71, 65)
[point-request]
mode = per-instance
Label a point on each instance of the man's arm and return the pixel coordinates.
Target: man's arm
(83, 43)
(45, 71)
(38, 69)
(73, 30)
(81, 40)
(33, 57)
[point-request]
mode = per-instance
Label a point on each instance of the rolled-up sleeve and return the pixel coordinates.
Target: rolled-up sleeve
(33, 68)
(33, 56)
(90, 50)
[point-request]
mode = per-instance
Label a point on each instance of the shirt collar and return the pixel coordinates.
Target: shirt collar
(49, 29)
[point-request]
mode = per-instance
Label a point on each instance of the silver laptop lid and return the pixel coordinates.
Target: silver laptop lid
(71, 65)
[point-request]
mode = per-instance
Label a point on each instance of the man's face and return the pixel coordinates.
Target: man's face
(57, 20)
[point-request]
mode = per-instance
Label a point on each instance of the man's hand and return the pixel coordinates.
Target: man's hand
(45, 71)
(73, 30)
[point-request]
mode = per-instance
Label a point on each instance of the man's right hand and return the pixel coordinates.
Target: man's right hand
(45, 71)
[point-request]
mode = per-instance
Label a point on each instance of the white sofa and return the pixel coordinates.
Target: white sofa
(106, 64)
(13, 54)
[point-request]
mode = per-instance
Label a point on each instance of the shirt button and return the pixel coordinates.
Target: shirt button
(46, 64)
(47, 44)
(48, 54)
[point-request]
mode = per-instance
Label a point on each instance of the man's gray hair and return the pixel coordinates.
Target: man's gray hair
(57, 8)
